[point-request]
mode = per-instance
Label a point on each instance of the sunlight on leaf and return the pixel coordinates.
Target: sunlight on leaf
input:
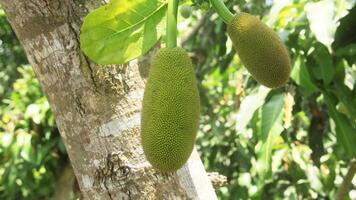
(248, 106)
(6, 139)
(320, 15)
(122, 30)
(323, 18)
(33, 111)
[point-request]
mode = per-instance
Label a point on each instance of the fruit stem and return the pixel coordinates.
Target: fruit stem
(171, 37)
(222, 10)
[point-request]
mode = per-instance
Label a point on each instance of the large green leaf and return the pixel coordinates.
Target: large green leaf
(271, 127)
(345, 132)
(122, 30)
(321, 20)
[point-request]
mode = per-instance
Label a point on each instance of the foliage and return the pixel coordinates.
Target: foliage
(301, 151)
(29, 141)
(11, 55)
(31, 151)
(122, 30)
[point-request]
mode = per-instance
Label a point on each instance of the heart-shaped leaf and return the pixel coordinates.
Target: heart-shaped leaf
(122, 30)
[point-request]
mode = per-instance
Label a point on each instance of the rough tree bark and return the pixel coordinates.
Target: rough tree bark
(97, 108)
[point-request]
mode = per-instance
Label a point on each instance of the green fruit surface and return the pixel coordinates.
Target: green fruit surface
(185, 11)
(170, 110)
(260, 50)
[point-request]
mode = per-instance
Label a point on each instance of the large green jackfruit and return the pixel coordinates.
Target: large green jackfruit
(260, 50)
(170, 110)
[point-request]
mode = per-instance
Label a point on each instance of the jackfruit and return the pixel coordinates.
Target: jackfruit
(170, 110)
(185, 11)
(260, 50)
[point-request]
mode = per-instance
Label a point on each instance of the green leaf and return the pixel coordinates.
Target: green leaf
(321, 20)
(301, 75)
(348, 52)
(248, 107)
(345, 132)
(271, 127)
(270, 113)
(346, 32)
(325, 64)
(346, 97)
(33, 112)
(122, 30)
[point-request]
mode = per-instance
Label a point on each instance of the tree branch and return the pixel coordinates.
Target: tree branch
(193, 31)
(345, 185)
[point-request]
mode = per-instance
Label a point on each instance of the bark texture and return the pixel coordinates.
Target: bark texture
(97, 108)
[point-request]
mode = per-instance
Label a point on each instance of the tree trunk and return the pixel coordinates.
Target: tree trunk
(97, 108)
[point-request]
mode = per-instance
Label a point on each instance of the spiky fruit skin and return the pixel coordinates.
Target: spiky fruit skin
(170, 110)
(260, 50)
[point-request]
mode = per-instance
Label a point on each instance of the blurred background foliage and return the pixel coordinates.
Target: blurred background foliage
(32, 154)
(295, 142)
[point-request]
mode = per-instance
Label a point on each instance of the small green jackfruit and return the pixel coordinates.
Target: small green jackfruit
(185, 11)
(260, 50)
(170, 110)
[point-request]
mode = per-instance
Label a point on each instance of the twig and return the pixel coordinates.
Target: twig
(345, 185)
(217, 179)
(193, 31)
